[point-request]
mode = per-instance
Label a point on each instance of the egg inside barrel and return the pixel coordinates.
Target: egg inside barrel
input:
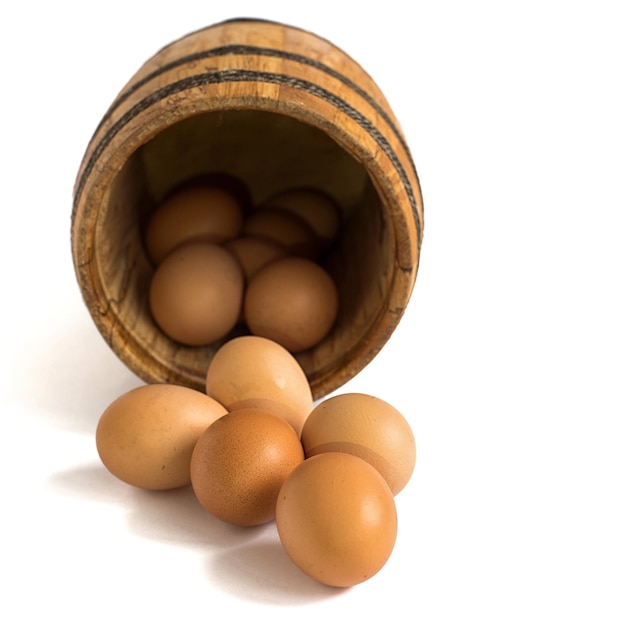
(292, 301)
(317, 208)
(286, 229)
(196, 293)
(271, 153)
(253, 252)
(195, 211)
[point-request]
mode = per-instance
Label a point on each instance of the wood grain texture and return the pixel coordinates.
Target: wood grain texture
(276, 107)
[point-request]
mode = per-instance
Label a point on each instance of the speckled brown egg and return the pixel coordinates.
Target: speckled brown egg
(199, 212)
(367, 427)
(251, 371)
(293, 301)
(196, 294)
(146, 436)
(336, 519)
(240, 463)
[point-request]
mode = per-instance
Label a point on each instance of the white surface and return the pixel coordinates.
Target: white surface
(509, 362)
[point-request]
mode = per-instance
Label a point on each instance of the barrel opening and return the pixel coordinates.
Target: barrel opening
(268, 152)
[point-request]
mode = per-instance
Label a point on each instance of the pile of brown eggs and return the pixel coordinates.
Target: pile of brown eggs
(220, 262)
(255, 449)
(253, 445)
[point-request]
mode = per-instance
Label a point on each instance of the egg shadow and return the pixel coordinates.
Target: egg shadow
(176, 516)
(171, 516)
(261, 572)
(88, 482)
(249, 563)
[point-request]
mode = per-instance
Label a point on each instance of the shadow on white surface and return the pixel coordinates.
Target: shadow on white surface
(173, 516)
(176, 516)
(262, 572)
(89, 482)
(248, 563)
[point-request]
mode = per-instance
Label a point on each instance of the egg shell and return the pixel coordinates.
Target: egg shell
(240, 463)
(146, 436)
(196, 293)
(201, 212)
(314, 206)
(336, 519)
(293, 301)
(254, 252)
(292, 416)
(367, 427)
(251, 371)
(286, 229)
(228, 182)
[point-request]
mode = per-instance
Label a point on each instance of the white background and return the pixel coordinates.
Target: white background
(509, 362)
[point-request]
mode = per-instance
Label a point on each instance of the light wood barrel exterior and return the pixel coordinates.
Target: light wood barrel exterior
(275, 106)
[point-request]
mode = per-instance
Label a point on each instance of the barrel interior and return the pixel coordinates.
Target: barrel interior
(269, 152)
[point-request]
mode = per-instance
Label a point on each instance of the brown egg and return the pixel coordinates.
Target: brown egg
(367, 427)
(286, 229)
(196, 293)
(240, 463)
(257, 372)
(254, 252)
(314, 206)
(146, 436)
(336, 519)
(222, 180)
(293, 301)
(191, 213)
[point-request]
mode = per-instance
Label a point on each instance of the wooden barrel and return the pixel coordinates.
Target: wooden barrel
(274, 106)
